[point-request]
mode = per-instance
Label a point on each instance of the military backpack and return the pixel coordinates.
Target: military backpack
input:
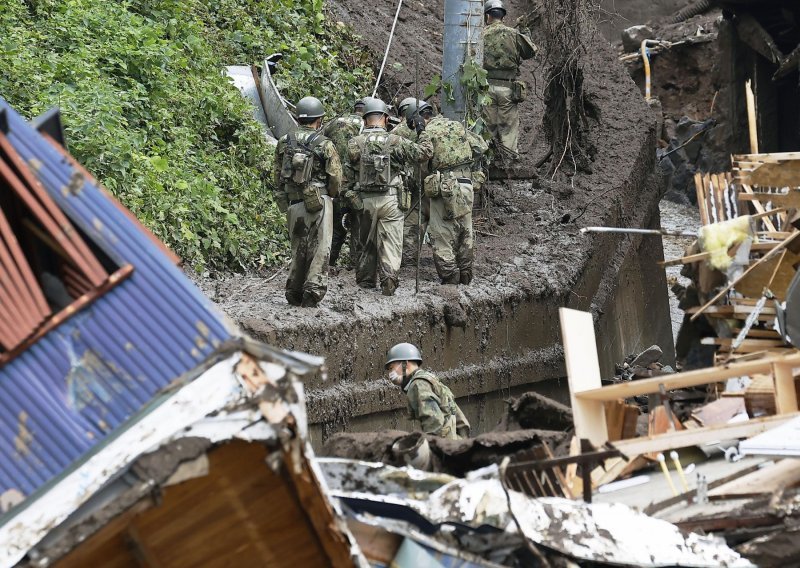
(297, 169)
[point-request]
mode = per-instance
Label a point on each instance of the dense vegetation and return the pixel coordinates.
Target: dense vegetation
(148, 110)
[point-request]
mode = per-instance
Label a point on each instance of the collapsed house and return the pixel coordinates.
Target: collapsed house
(108, 352)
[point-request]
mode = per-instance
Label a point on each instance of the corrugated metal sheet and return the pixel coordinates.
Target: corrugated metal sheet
(86, 377)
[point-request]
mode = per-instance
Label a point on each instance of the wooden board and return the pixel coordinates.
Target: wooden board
(583, 374)
(377, 544)
(766, 481)
(720, 411)
(700, 436)
(684, 380)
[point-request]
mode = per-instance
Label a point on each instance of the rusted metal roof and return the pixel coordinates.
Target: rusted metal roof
(90, 368)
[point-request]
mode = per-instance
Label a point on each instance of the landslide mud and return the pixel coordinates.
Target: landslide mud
(500, 335)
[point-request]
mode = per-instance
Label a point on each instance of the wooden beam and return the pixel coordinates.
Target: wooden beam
(700, 436)
(583, 374)
(752, 267)
(785, 393)
(686, 259)
(688, 379)
(751, 116)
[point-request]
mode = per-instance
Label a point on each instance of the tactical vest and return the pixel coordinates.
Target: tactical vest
(501, 55)
(375, 167)
(451, 146)
(447, 401)
(302, 163)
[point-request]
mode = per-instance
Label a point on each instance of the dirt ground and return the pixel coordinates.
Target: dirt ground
(528, 244)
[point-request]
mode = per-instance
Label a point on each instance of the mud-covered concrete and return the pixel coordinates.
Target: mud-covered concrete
(498, 337)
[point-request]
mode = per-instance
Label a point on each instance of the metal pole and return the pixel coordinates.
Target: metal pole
(638, 231)
(388, 45)
(463, 21)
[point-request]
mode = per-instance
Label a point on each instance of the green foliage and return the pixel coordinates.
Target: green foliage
(148, 110)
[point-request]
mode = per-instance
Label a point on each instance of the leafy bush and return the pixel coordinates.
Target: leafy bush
(148, 110)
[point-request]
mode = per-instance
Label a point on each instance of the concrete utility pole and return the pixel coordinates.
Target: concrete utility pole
(463, 22)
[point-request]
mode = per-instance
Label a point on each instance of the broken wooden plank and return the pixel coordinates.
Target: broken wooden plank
(696, 437)
(686, 259)
(689, 379)
(583, 373)
(731, 285)
(747, 345)
(720, 411)
(791, 199)
(765, 481)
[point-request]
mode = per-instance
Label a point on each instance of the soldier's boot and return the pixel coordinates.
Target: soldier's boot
(309, 301)
(293, 298)
(388, 287)
(465, 277)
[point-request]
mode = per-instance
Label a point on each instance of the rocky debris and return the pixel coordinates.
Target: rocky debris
(454, 457)
(535, 411)
(643, 365)
(633, 37)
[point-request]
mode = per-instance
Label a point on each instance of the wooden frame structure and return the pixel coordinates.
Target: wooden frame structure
(588, 395)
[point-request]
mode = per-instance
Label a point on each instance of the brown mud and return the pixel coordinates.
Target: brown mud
(497, 337)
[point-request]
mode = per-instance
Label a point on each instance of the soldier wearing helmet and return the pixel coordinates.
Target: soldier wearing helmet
(340, 131)
(504, 48)
(412, 121)
(307, 174)
(429, 401)
(375, 166)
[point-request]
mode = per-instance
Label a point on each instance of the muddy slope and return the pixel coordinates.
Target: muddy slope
(500, 335)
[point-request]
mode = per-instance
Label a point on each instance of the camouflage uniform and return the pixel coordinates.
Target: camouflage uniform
(411, 226)
(433, 404)
(340, 131)
(310, 233)
(381, 221)
(504, 49)
(452, 149)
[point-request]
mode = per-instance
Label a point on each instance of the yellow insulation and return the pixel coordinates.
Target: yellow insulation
(717, 238)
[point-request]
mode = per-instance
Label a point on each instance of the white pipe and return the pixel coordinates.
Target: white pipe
(388, 45)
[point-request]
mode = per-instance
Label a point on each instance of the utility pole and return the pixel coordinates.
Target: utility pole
(463, 22)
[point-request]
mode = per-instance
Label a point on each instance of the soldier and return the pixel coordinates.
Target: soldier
(454, 165)
(307, 174)
(411, 226)
(340, 131)
(504, 49)
(429, 401)
(376, 162)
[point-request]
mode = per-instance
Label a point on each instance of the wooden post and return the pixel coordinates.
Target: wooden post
(785, 395)
(583, 374)
(751, 116)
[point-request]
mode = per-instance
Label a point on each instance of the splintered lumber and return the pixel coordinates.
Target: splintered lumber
(621, 419)
(766, 481)
(583, 374)
(748, 345)
(751, 116)
(791, 199)
(688, 379)
(700, 436)
(686, 259)
(719, 412)
(752, 267)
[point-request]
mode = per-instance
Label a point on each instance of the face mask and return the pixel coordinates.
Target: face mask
(395, 378)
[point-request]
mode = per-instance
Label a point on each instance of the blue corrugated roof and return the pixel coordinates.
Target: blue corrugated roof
(86, 377)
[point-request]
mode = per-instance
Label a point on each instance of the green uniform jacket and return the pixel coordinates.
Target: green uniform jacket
(404, 154)
(504, 49)
(433, 404)
(340, 131)
(326, 170)
(451, 146)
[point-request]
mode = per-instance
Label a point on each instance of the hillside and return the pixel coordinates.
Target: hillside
(147, 109)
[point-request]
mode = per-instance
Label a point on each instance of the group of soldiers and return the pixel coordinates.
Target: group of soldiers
(393, 187)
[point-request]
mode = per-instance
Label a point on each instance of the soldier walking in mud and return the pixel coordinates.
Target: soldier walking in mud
(429, 401)
(504, 48)
(413, 179)
(340, 131)
(376, 162)
(454, 162)
(307, 174)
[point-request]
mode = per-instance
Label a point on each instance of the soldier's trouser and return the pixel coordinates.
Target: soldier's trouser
(310, 234)
(452, 242)
(411, 227)
(381, 236)
(339, 231)
(502, 117)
